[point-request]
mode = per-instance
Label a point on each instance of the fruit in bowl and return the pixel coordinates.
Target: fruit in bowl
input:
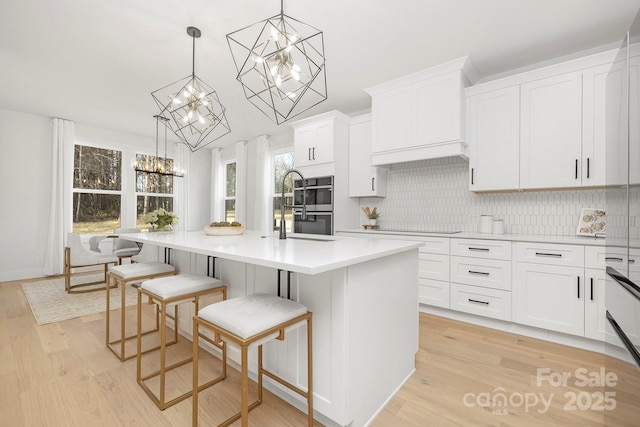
(224, 228)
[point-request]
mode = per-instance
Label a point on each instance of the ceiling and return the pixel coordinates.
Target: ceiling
(97, 62)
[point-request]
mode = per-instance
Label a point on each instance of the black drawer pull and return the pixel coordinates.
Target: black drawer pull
(479, 302)
(478, 272)
(591, 279)
(611, 258)
(479, 249)
(632, 261)
(548, 254)
(578, 287)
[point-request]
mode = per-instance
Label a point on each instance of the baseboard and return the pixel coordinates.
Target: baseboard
(34, 273)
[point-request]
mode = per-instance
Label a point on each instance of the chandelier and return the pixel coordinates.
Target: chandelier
(195, 113)
(159, 165)
(281, 65)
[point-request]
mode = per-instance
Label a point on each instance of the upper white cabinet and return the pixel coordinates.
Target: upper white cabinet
(551, 132)
(315, 142)
(493, 134)
(540, 129)
(420, 116)
(365, 180)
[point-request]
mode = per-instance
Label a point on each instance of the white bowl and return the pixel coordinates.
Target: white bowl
(223, 231)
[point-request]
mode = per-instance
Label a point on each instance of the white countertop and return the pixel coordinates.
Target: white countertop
(570, 240)
(297, 255)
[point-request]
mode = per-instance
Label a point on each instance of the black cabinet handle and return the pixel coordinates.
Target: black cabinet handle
(578, 287)
(479, 302)
(478, 272)
(611, 258)
(479, 249)
(587, 167)
(309, 156)
(471, 176)
(591, 280)
(548, 254)
(632, 261)
(373, 184)
(314, 153)
(576, 168)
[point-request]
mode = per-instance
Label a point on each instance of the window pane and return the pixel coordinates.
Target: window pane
(229, 210)
(96, 168)
(153, 183)
(146, 204)
(95, 213)
(283, 163)
(288, 215)
(231, 180)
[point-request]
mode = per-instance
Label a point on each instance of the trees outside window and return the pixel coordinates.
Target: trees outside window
(153, 191)
(282, 162)
(230, 192)
(97, 189)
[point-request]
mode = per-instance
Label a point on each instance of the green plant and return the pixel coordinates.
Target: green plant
(371, 213)
(161, 219)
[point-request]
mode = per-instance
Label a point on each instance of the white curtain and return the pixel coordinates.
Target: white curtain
(180, 186)
(217, 185)
(241, 182)
(60, 220)
(263, 205)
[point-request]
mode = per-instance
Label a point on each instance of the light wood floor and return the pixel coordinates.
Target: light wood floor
(63, 375)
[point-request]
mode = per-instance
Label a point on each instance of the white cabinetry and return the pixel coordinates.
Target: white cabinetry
(493, 134)
(317, 142)
(481, 277)
(365, 180)
(420, 116)
(551, 122)
(550, 132)
(548, 288)
(433, 272)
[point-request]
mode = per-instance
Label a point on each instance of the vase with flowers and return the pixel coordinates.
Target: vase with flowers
(160, 220)
(372, 214)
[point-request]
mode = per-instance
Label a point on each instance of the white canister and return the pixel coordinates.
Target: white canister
(498, 226)
(486, 224)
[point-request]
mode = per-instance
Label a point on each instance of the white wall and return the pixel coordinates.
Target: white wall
(25, 153)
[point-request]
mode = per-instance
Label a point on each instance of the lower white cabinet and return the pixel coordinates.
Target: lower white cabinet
(481, 301)
(549, 297)
(433, 272)
(594, 308)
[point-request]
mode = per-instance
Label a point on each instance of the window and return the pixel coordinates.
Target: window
(230, 192)
(153, 191)
(282, 162)
(97, 189)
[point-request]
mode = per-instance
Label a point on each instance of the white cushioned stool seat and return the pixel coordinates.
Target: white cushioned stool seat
(141, 269)
(182, 284)
(122, 275)
(165, 292)
(249, 321)
(251, 314)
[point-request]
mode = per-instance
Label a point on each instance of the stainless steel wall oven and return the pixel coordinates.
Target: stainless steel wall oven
(318, 199)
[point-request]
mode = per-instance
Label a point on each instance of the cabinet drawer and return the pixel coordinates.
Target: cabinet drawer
(481, 301)
(435, 245)
(601, 256)
(433, 292)
(495, 249)
(488, 273)
(433, 266)
(549, 253)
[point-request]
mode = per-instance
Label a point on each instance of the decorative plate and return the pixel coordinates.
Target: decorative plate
(592, 222)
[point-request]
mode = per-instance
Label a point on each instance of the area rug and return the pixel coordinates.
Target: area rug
(50, 303)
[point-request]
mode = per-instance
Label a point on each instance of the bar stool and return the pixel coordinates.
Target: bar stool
(165, 292)
(122, 275)
(252, 320)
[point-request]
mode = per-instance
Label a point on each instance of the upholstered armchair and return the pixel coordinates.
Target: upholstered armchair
(76, 255)
(125, 248)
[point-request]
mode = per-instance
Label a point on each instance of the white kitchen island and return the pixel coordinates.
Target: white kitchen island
(364, 300)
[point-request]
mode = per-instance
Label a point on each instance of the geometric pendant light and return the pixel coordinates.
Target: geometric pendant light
(195, 113)
(281, 65)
